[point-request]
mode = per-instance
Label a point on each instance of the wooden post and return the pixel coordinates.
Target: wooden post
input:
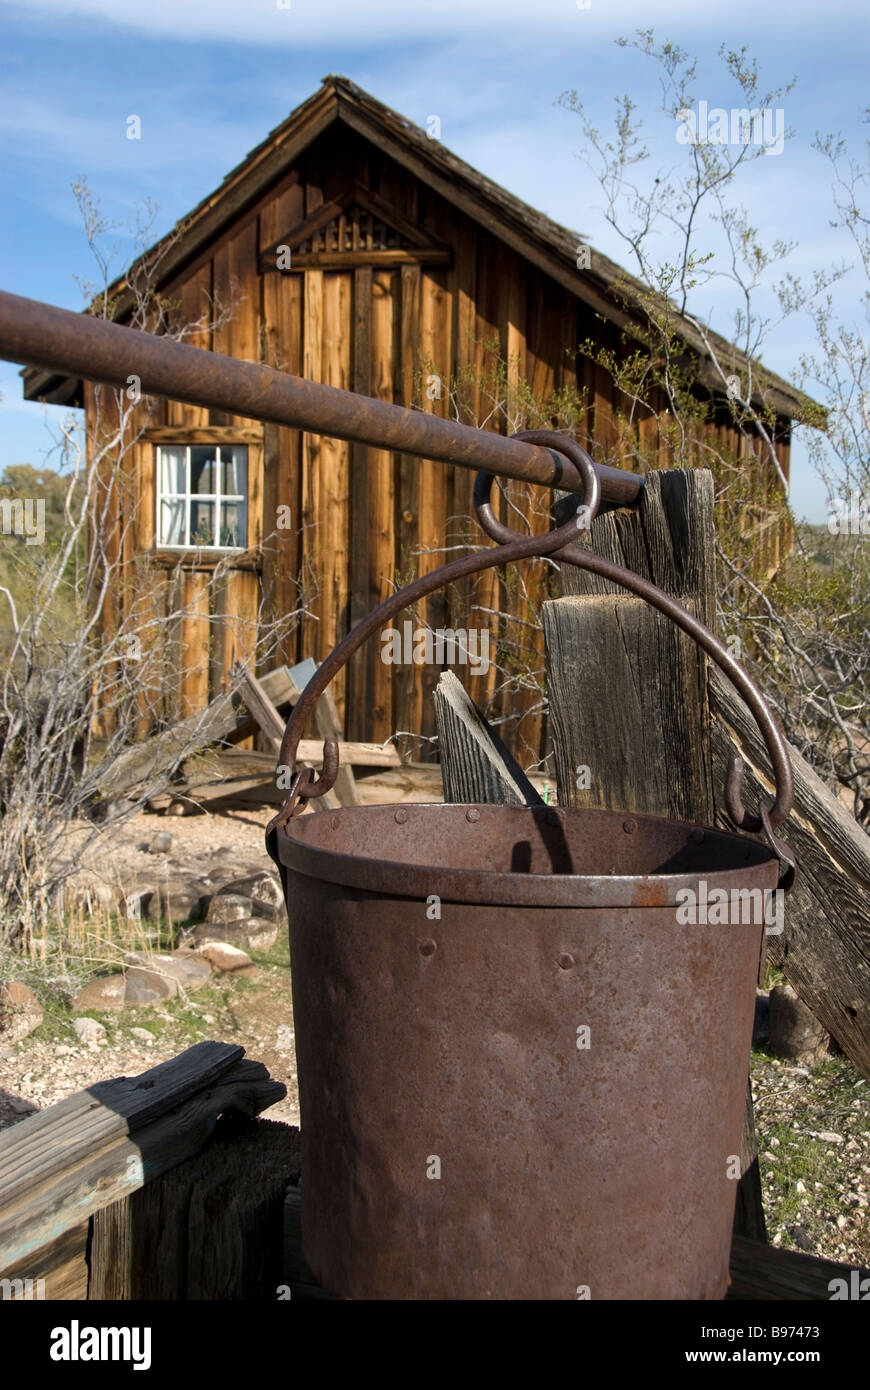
(628, 690)
(210, 1228)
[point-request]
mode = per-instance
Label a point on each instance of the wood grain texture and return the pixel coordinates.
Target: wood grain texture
(765, 1273)
(475, 764)
(63, 1164)
(210, 1228)
(824, 949)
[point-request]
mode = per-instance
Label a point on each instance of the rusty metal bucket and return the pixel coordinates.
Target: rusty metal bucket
(522, 1064)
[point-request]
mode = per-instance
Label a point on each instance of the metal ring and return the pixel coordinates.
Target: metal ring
(562, 443)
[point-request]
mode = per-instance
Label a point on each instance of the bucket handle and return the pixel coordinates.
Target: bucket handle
(555, 544)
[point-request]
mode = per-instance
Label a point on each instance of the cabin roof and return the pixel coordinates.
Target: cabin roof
(606, 286)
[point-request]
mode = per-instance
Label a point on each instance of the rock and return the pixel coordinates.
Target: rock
(193, 971)
(89, 1031)
(235, 933)
(255, 934)
(795, 1033)
(830, 1136)
(229, 907)
(222, 956)
(261, 934)
(761, 1026)
(264, 891)
(20, 1011)
(148, 979)
(798, 1233)
(143, 1035)
(174, 900)
(106, 993)
(161, 843)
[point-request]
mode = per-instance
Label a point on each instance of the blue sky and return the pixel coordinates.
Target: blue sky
(209, 79)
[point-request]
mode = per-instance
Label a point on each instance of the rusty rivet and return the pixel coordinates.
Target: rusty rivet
(401, 816)
(473, 814)
(428, 948)
(629, 826)
(566, 961)
(698, 836)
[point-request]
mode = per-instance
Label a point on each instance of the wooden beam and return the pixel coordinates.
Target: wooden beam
(210, 1228)
(61, 1165)
(349, 260)
(223, 718)
(763, 1272)
(824, 949)
(627, 689)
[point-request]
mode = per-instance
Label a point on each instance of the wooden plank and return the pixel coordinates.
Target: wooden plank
(345, 260)
(436, 316)
(475, 764)
(628, 689)
(383, 558)
(407, 493)
(195, 642)
(824, 949)
(763, 1272)
(311, 519)
(57, 1271)
(259, 704)
(223, 717)
(210, 1228)
(56, 1182)
(237, 293)
(332, 498)
(203, 434)
(359, 542)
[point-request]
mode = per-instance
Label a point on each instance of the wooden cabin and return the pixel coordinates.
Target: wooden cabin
(351, 248)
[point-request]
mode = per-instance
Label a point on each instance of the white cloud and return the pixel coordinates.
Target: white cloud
(299, 23)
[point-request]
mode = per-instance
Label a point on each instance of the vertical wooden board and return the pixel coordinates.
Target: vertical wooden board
(195, 638)
(525, 584)
(432, 485)
(385, 345)
(487, 589)
(243, 602)
(237, 295)
(331, 478)
(408, 477)
(146, 512)
(104, 529)
(280, 214)
(190, 314)
(282, 458)
(358, 693)
(311, 522)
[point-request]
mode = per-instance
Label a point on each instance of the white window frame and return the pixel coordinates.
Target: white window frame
(218, 497)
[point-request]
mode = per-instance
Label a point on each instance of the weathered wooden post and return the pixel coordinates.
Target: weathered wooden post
(628, 690)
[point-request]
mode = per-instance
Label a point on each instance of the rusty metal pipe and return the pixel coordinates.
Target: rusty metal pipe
(41, 335)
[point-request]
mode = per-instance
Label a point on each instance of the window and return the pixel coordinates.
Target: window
(202, 496)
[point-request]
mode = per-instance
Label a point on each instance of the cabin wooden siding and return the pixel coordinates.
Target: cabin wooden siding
(365, 520)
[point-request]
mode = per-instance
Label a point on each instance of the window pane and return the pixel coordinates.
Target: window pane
(234, 470)
(172, 469)
(201, 522)
(234, 524)
(171, 522)
(203, 468)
